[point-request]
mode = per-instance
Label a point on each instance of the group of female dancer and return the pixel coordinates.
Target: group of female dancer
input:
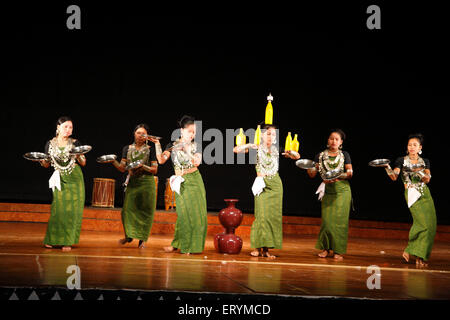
(191, 226)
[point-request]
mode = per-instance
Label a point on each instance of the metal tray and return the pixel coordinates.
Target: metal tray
(80, 150)
(379, 162)
(36, 156)
(107, 158)
(332, 174)
(133, 165)
(305, 164)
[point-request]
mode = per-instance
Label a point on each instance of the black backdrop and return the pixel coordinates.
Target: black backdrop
(130, 64)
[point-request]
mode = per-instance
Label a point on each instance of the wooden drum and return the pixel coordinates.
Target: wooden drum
(156, 189)
(169, 197)
(103, 193)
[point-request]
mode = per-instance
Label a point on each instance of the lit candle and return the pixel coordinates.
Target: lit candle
(269, 110)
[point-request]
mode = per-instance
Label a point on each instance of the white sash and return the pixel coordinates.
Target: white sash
(321, 190)
(175, 183)
(258, 186)
(413, 196)
(55, 181)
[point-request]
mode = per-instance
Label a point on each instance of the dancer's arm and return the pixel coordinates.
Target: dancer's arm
(244, 148)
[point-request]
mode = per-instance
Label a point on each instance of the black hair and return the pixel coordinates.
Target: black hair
(141, 125)
(265, 126)
(417, 136)
(338, 131)
(185, 121)
(63, 119)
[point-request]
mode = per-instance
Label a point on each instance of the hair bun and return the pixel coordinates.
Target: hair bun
(185, 121)
(63, 119)
(338, 131)
(417, 136)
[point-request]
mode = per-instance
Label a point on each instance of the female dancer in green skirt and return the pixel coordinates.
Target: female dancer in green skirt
(190, 194)
(415, 174)
(267, 228)
(67, 183)
(336, 196)
(140, 197)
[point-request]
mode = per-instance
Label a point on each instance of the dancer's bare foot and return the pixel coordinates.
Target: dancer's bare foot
(66, 248)
(338, 257)
(268, 255)
(169, 249)
(125, 240)
(48, 246)
(141, 244)
(323, 254)
(255, 253)
(421, 263)
(405, 256)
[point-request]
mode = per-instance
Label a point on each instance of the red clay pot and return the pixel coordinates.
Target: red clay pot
(230, 218)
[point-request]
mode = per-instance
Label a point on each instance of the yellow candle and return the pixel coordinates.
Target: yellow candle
(295, 144)
(257, 135)
(269, 113)
(241, 138)
(269, 110)
(287, 146)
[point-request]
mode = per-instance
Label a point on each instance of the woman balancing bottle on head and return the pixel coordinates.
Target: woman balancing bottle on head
(140, 200)
(336, 196)
(67, 184)
(190, 194)
(415, 174)
(267, 228)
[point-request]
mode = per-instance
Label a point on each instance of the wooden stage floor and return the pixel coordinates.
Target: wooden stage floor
(297, 271)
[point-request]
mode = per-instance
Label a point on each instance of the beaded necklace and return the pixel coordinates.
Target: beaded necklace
(325, 164)
(134, 154)
(182, 159)
(61, 159)
(410, 177)
(267, 160)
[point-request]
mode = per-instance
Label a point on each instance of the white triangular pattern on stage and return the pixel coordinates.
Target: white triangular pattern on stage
(14, 297)
(33, 296)
(56, 296)
(78, 297)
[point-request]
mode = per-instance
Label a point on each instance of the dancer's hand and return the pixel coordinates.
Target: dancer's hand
(197, 159)
(44, 163)
(291, 155)
(426, 179)
(155, 141)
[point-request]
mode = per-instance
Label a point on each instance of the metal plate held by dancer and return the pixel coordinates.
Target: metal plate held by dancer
(305, 164)
(379, 162)
(133, 165)
(148, 136)
(36, 156)
(107, 158)
(80, 150)
(332, 174)
(178, 146)
(414, 167)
